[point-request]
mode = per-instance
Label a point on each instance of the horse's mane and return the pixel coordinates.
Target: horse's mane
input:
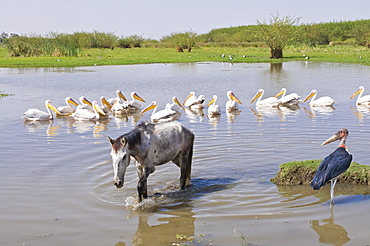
(133, 137)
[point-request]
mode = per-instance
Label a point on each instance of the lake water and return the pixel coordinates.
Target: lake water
(56, 184)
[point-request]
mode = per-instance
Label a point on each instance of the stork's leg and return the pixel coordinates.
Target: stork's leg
(332, 184)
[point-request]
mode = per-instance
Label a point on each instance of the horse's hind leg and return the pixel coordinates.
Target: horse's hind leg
(185, 167)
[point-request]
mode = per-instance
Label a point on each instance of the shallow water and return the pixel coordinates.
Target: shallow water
(57, 176)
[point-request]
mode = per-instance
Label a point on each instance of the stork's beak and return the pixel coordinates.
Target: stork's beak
(150, 107)
(354, 94)
(280, 93)
(233, 97)
(120, 95)
(333, 138)
(137, 97)
(308, 97)
(256, 96)
(70, 100)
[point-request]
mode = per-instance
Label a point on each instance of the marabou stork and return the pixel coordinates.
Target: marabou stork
(334, 164)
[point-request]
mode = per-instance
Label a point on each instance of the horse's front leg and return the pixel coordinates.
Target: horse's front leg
(142, 183)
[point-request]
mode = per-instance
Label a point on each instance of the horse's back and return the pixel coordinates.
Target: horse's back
(166, 140)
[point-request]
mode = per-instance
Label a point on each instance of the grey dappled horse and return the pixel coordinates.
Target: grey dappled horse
(152, 145)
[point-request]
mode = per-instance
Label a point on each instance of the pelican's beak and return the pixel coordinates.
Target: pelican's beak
(333, 138)
(70, 100)
(256, 96)
(98, 109)
(150, 107)
(105, 102)
(308, 97)
(85, 101)
(187, 98)
(137, 97)
(175, 100)
(233, 97)
(212, 101)
(52, 107)
(120, 95)
(280, 93)
(356, 93)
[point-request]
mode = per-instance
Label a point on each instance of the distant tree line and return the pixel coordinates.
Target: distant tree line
(263, 33)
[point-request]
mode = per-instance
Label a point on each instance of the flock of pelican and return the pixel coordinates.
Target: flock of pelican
(87, 110)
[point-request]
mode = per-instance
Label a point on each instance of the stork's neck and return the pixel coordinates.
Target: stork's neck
(342, 142)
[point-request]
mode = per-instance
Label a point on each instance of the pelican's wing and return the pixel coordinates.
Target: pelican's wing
(292, 98)
(269, 102)
(323, 101)
(35, 114)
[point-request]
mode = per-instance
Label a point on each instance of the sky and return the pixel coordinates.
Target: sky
(157, 18)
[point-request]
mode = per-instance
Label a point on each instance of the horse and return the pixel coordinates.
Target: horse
(152, 145)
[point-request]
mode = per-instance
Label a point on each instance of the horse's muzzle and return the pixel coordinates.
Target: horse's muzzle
(118, 183)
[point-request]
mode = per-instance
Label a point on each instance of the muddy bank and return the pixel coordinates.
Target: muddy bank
(302, 172)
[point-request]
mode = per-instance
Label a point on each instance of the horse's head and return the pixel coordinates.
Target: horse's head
(120, 159)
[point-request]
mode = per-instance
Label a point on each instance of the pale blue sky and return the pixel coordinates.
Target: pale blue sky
(157, 18)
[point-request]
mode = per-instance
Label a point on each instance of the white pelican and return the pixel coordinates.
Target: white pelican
(233, 103)
(36, 114)
(85, 103)
(321, 102)
(120, 98)
(361, 99)
(267, 102)
(105, 106)
(288, 100)
(194, 102)
(86, 114)
(169, 113)
(133, 105)
(213, 108)
(68, 110)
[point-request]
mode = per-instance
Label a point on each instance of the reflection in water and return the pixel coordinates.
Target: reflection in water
(232, 115)
(329, 232)
(34, 126)
(194, 115)
(262, 112)
(276, 67)
(361, 111)
(173, 222)
(320, 110)
(299, 192)
(213, 120)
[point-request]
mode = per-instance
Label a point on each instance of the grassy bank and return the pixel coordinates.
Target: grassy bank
(302, 172)
(100, 57)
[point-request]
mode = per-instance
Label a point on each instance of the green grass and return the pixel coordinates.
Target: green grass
(302, 172)
(118, 56)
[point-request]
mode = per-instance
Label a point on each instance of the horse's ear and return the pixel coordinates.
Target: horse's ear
(111, 140)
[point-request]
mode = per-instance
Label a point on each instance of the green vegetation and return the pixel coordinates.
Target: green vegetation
(4, 94)
(344, 42)
(302, 172)
(99, 57)
(277, 33)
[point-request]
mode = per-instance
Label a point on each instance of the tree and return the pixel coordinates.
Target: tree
(277, 32)
(183, 40)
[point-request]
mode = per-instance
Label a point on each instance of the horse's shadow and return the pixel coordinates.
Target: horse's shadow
(198, 187)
